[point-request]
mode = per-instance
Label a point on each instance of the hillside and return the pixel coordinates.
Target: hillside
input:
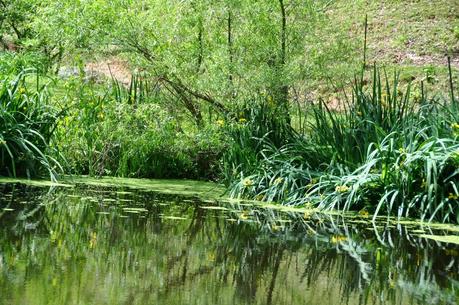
(413, 37)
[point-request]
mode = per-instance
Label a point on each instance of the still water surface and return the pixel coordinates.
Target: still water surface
(115, 245)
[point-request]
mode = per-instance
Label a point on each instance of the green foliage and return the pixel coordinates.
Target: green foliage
(381, 152)
(345, 134)
(223, 51)
(258, 122)
(414, 181)
(125, 132)
(27, 122)
(13, 63)
(15, 16)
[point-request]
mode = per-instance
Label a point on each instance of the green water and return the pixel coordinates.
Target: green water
(102, 244)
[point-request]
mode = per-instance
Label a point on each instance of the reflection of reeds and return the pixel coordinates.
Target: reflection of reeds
(375, 253)
(255, 258)
(429, 291)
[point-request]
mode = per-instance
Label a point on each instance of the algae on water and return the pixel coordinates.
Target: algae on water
(206, 190)
(451, 239)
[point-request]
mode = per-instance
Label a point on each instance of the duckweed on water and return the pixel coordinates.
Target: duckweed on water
(173, 217)
(200, 189)
(212, 207)
(39, 183)
(135, 210)
(181, 187)
(450, 239)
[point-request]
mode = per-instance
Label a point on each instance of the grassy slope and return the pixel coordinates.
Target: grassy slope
(414, 32)
(412, 35)
(409, 32)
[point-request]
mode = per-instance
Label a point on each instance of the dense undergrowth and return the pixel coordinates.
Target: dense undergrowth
(383, 152)
(51, 126)
(126, 132)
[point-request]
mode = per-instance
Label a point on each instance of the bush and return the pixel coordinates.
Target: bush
(14, 63)
(255, 123)
(125, 132)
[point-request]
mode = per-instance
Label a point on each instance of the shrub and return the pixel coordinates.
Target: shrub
(126, 132)
(254, 124)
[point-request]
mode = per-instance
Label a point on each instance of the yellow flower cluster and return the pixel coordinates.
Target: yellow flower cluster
(307, 214)
(453, 196)
(341, 189)
(242, 120)
(220, 123)
(260, 197)
(364, 213)
(278, 180)
(93, 240)
(455, 126)
(276, 228)
(270, 100)
(247, 182)
(244, 215)
(211, 257)
(312, 183)
(423, 183)
(336, 239)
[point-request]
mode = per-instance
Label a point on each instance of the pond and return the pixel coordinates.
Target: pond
(106, 244)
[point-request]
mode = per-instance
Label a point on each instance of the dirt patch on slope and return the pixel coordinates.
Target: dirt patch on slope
(111, 68)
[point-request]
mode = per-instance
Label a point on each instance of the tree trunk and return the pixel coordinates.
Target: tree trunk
(230, 48)
(200, 46)
(281, 88)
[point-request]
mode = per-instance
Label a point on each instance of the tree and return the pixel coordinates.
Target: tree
(201, 52)
(14, 22)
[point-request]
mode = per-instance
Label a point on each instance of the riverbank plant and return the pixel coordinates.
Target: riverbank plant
(27, 123)
(127, 132)
(253, 126)
(384, 150)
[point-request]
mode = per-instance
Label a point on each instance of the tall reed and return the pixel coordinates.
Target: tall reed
(380, 151)
(27, 123)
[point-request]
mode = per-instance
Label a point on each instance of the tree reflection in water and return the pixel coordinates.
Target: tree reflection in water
(108, 246)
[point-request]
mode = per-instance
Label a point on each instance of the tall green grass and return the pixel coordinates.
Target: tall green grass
(252, 126)
(380, 151)
(27, 123)
(366, 117)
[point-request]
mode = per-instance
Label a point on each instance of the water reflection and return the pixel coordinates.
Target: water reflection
(113, 246)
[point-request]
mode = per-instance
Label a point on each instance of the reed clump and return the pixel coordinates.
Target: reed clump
(385, 151)
(27, 123)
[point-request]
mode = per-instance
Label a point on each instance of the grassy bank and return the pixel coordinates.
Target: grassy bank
(267, 99)
(383, 152)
